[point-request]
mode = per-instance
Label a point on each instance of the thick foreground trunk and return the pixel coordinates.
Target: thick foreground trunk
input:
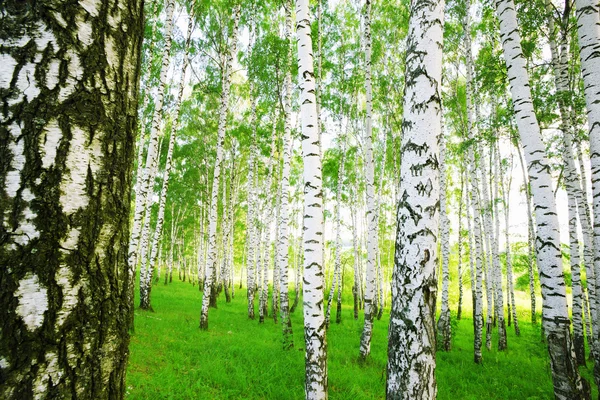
(314, 318)
(67, 128)
(411, 338)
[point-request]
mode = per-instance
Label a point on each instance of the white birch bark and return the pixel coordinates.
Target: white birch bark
(499, 293)
(588, 33)
(509, 275)
(144, 181)
(371, 215)
(356, 286)
(338, 235)
(209, 279)
(146, 279)
(567, 381)
(251, 222)
(267, 218)
(572, 184)
(283, 237)
(411, 339)
(475, 245)
(444, 327)
(460, 245)
(314, 319)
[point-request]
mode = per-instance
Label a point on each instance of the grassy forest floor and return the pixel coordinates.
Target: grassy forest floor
(171, 358)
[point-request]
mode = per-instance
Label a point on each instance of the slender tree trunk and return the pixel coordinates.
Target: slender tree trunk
(227, 206)
(588, 32)
(146, 280)
(567, 381)
(412, 342)
(499, 303)
(147, 176)
(145, 233)
(475, 237)
(209, 282)
(572, 183)
(460, 244)
(65, 186)
(356, 286)
(444, 327)
(314, 319)
(509, 275)
(493, 285)
(283, 237)
(268, 219)
(338, 236)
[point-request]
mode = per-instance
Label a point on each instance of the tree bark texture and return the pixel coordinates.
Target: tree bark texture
(314, 318)
(371, 215)
(411, 338)
(567, 381)
(68, 120)
(211, 266)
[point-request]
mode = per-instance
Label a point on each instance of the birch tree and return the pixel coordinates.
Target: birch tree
(475, 244)
(588, 33)
(444, 327)
(144, 181)
(567, 381)
(411, 339)
(65, 182)
(314, 319)
(371, 215)
(283, 241)
(146, 279)
(209, 294)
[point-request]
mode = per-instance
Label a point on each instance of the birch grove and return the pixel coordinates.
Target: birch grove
(426, 170)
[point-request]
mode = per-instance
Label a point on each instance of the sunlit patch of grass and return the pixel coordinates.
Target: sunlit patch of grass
(171, 358)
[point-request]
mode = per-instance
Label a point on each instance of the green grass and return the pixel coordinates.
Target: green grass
(242, 359)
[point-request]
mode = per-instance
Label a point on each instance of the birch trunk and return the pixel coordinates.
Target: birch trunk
(460, 245)
(146, 280)
(338, 237)
(412, 342)
(252, 207)
(145, 233)
(371, 215)
(509, 275)
(475, 237)
(444, 327)
(209, 280)
(588, 32)
(499, 303)
(356, 286)
(572, 184)
(268, 219)
(567, 381)
(493, 284)
(65, 187)
(283, 241)
(144, 180)
(314, 319)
